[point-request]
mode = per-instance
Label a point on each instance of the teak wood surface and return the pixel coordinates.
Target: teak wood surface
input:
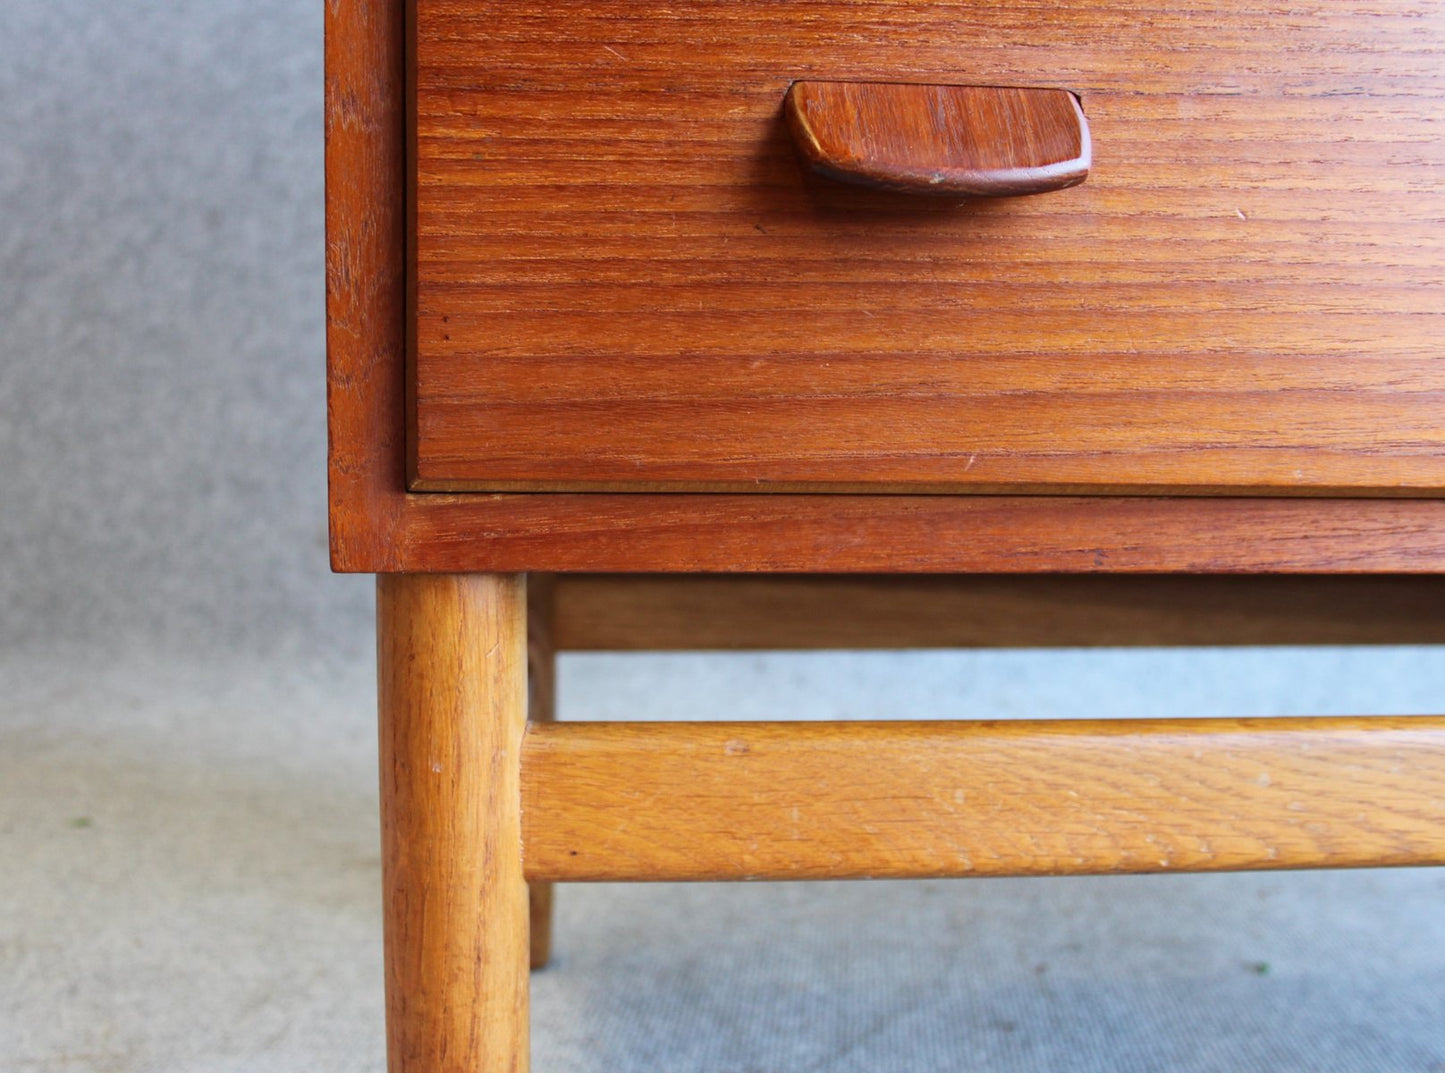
(624, 278)
(378, 526)
(800, 800)
(954, 141)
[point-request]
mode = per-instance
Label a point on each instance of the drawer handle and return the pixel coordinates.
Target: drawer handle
(988, 141)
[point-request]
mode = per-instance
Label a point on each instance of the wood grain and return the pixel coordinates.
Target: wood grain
(541, 708)
(452, 665)
(902, 800)
(626, 281)
(600, 612)
(366, 309)
(917, 534)
(376, 526)
(940, 141)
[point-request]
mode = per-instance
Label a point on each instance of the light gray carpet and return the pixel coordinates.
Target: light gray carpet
(188, 842)
(191, 884)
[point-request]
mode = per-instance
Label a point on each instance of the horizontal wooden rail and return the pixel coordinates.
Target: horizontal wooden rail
(720, 801)
(659, 611)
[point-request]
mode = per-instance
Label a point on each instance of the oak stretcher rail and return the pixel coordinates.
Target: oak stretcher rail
(652, 612)
(856, 800)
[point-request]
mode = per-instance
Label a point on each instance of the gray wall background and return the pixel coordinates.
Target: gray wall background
(161, 296)
(187, 759)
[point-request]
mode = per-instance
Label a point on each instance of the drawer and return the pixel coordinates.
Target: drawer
(624, 278)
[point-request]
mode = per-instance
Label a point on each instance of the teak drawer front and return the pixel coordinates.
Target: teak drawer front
(623, 277)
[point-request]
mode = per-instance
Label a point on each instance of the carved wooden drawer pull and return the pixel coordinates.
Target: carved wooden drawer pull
(945, 140)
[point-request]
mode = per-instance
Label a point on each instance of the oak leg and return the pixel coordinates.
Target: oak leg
(452, 662)
(541, 708)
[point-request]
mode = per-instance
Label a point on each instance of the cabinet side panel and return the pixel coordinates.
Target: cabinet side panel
(365, 279)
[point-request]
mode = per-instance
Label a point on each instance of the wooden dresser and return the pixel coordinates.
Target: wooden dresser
(698, 315)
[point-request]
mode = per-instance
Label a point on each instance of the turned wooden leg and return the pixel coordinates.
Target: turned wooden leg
(452, 661)
(541, 708)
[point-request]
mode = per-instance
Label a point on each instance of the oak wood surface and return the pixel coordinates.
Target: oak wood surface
(452, 670)
(377, 526)
(711, 801)
(679, 612)
(625, 280)
(954, 141)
